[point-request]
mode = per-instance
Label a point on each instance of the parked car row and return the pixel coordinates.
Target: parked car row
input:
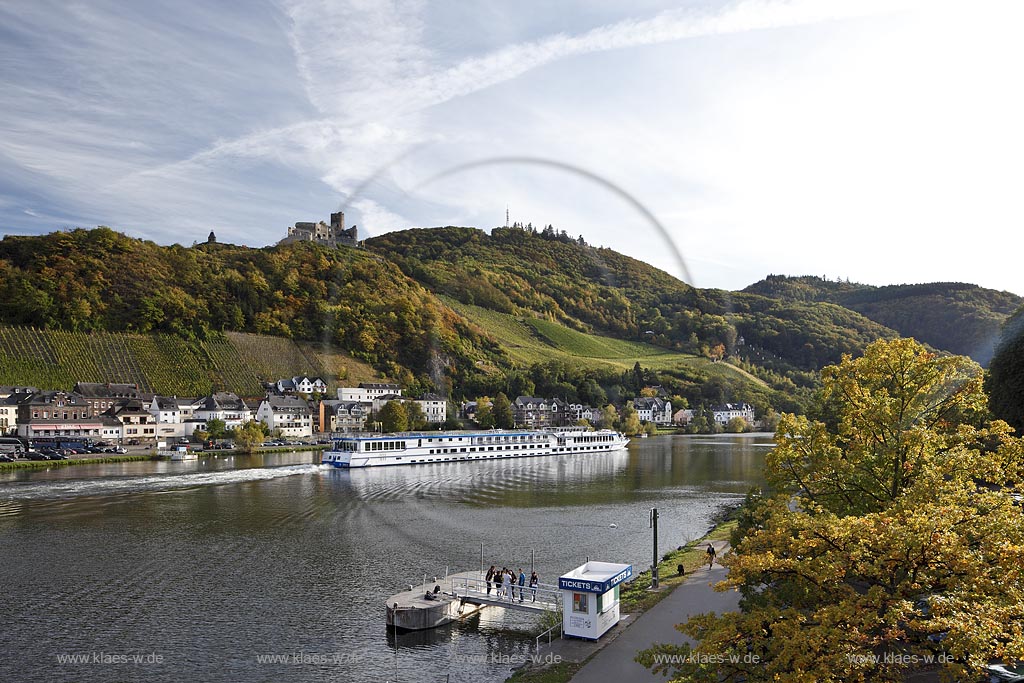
(59, 453)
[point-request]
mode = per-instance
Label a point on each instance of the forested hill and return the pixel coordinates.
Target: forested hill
(953, 316)
(518, 271)
(384, 305)
(101, 280)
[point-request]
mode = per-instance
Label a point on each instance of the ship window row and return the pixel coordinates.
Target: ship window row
(480, 449)
(385, 446)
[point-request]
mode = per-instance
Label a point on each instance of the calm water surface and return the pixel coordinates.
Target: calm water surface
(206, 569)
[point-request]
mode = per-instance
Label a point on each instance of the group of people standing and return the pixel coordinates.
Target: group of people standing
(505, 581)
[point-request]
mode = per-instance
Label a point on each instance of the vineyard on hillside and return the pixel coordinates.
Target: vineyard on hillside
(164, 364)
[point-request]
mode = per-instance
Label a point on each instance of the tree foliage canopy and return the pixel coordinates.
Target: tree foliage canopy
(393, 417)
(894, 531)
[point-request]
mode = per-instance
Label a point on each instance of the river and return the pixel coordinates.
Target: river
(275, 568)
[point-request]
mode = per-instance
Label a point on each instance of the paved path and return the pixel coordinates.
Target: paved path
(614, 663)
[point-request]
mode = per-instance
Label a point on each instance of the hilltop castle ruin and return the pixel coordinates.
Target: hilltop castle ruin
(333, 235)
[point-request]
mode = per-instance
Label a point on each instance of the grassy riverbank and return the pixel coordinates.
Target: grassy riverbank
(637, 597)
(42, 464)
(151, 455)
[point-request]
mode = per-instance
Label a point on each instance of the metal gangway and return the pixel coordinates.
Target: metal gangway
(543, 598)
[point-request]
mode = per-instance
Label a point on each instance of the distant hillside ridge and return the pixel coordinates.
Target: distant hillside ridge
(516, 271)
(957, 317)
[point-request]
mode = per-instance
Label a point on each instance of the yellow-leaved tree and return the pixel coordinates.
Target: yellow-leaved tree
(893, 537)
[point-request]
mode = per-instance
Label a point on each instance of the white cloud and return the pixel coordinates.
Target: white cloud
(742, 122)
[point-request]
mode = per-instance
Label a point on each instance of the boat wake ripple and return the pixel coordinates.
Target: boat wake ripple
(150, 483)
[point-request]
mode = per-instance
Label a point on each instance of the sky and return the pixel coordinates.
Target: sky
(870, 140)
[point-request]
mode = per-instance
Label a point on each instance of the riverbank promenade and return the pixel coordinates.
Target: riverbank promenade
(614, 661)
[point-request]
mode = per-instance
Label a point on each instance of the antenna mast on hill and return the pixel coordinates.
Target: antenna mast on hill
(506, 215)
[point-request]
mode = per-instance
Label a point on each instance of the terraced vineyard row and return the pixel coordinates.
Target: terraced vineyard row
(165, 364)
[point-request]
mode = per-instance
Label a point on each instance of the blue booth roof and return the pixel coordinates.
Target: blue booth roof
(595, 577)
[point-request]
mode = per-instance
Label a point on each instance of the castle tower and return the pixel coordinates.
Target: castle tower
(337, 224)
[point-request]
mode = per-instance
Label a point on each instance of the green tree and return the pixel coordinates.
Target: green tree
(393, 417)
(452, 417)
(415, 417)
(502, 411)
(736, 425)
(216, 428)
(609, 417)
(629, 423)
(249, 436)
(893, 524)
(485, 417)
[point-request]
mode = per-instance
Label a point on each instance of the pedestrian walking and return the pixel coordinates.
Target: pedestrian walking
(711, 555)
(533, 585)
(522, 582)
(490, 578)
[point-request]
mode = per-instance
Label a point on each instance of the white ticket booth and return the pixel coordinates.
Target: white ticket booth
(590, 598)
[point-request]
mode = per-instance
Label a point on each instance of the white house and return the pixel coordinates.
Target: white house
(366, 392)
(111, 430)
(434, 407)
(302, 385)
(653, 409)
(10, 397)
(580, 411)
(223, 406)
(170, 424)
(724, 413)
(165, 409)
(9, 413)
(289, 414)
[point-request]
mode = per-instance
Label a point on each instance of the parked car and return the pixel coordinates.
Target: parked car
(121, 449)
(36, 455)
(6, 458)
(57, 456)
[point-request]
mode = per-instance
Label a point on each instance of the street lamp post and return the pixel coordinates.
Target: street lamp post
(654, 567)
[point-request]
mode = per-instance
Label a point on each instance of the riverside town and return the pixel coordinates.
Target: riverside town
(481, 342)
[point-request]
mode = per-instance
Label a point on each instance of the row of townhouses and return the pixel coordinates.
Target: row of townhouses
(124, 414)
(535, 413)
(720, 414)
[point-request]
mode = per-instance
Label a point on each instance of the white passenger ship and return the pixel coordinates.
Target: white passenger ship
(406, 448)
